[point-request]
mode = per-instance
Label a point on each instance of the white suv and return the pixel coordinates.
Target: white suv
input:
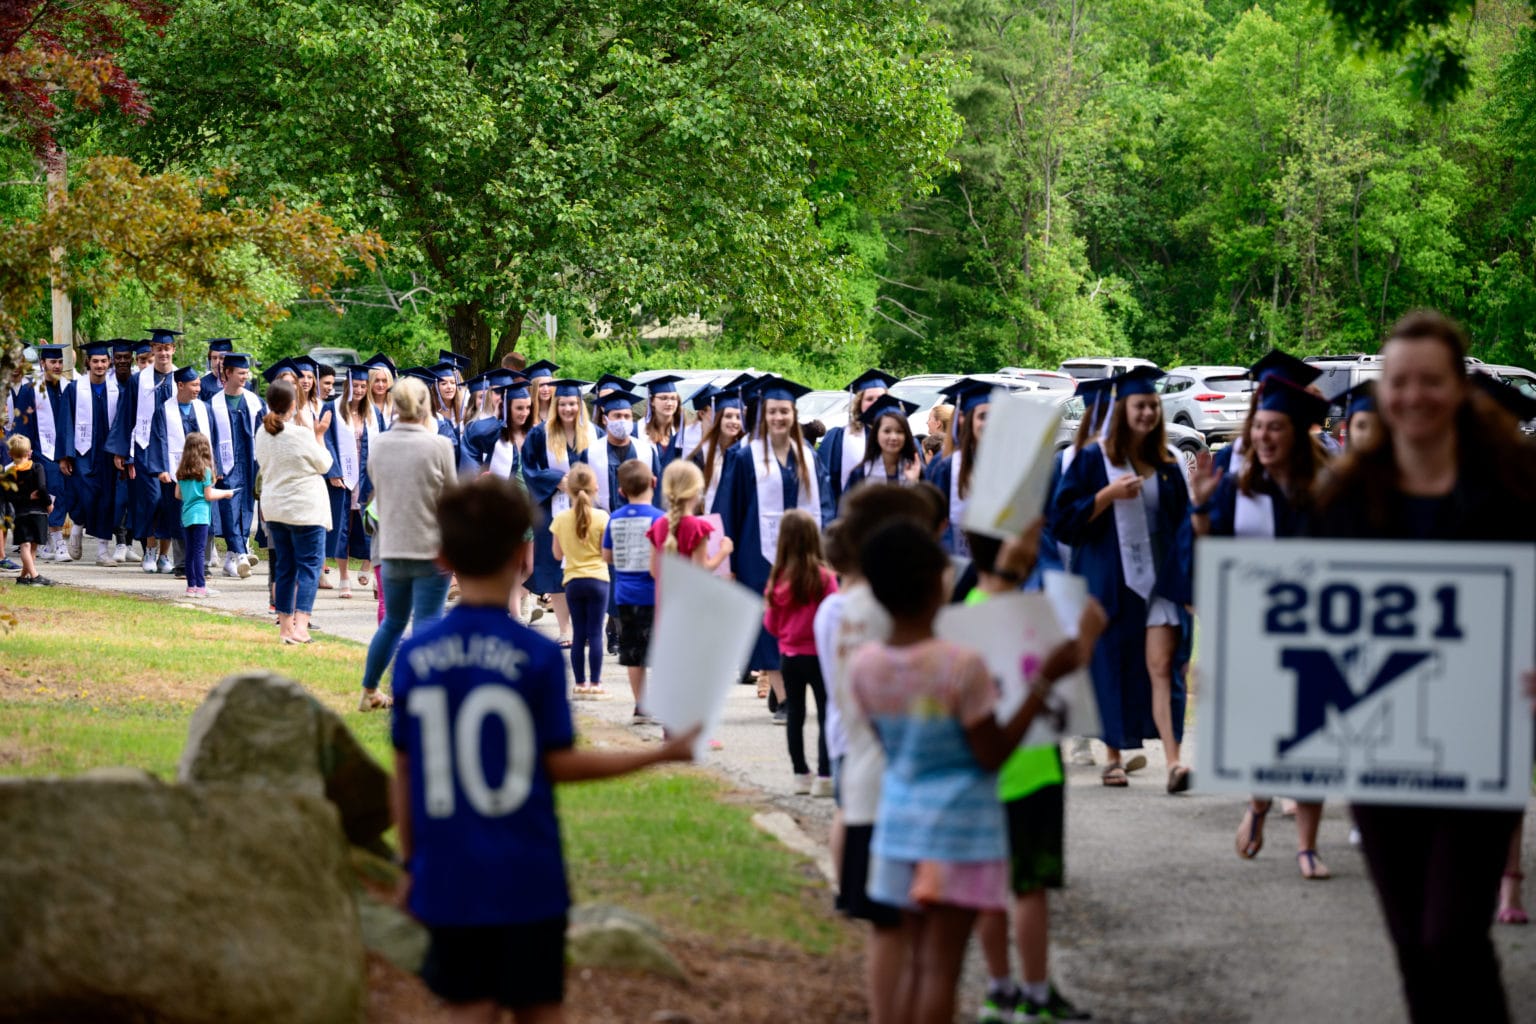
(1211, 399)
(1096, 367)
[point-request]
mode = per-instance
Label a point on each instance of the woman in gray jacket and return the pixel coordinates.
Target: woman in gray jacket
(410, 464)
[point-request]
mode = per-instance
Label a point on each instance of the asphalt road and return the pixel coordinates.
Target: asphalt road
(1161, 922)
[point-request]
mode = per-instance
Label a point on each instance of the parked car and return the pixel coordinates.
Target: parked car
(1097, 367)
(1187, 441)
(831, 407)
(1052, 380)
(925, 391)
(1212, 399)
(1342, 372)
(334, 356)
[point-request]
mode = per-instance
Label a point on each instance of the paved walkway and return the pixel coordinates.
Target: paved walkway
(1161, 923)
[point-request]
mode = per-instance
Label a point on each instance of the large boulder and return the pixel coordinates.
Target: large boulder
(122, 899)
(260, 729)
(617, 939)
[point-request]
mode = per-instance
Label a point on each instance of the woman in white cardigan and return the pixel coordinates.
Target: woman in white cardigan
(296, 508)
(410, 464)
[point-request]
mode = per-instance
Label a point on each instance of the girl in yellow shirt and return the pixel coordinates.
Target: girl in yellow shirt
(577, 535)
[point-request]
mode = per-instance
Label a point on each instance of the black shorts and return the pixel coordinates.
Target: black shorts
(852, 900)
(635, 622)
(30, 528)
(513, 965)
(1037, 839)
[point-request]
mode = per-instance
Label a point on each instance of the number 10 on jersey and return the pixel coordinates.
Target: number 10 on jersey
(1376, 671)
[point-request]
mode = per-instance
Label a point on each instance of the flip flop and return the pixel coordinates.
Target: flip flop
(1136, 762)
(1250, 834)
(1178, 779)
(1113, 776)
(1312, 869)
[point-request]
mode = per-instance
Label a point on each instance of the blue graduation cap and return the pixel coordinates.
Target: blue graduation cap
(1282, 364)
(775, 389)
(886, 405)
(1360, 398)
(475, 385)
(444, 370)
(120, 345)
(664, 385)
(50, 352)
(967, 394)
(279, 368)
(97, 348)
(503, 378)
(162, 335)
(221, 344)
(728, 400)
(871, 379)
(612, 381)
(237, 361)
(1096, 391)
(141, 348)
(1139, 380)
(704, 398)
(382, 362)
(1302, 406)
(460, 362)
(613, 401)
(186, 375)
(1512, 400)
(306, 364)
(354, 371)
(569, 388)
(421, 373)
(541, 370)
(510, 394)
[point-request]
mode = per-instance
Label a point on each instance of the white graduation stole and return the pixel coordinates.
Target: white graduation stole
(144, 412)
(503, 459)
(47, 429)
(956, 503)
(770, 494)
(597, 458)
(346, 449)
(220, 403)
(176, 432)
(713, 487)
(85, 411)
(560, 460)
(1254, 516)
(853, 452)
(693, 436)
(1135, 539)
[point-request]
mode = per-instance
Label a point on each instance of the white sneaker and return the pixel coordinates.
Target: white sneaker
(1080, 753)
(148, 565)
(164, 565)
(822, 786)
(120, 554)
(61, 552)
(229, 567)
(46, 552)
(242, 568)
(76, 543)
(138, 551)
(208, 592)
(802, 785)
(104, 558)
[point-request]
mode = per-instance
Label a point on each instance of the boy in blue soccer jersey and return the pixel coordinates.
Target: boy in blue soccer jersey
(482, 730)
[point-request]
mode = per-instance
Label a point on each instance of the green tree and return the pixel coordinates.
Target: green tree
(585, 158)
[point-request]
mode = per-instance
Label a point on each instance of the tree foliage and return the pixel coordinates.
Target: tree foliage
(582, 158)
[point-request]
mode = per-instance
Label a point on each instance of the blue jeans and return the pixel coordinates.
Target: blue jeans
(298, 554)
(414, 592)
(588, 602)
(195, 542)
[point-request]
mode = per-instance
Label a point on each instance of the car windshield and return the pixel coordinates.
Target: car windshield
(1233, 385)
(1054, 381)
(1086, 371)
(924, 396)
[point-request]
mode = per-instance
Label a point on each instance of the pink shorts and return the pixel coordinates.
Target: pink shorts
(911, 885)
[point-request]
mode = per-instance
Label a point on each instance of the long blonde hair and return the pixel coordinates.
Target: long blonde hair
(682, 485)
(946, 415)
(387, 407)
(581, 485)
(554, 429)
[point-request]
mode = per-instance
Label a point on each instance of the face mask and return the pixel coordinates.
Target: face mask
(618, 429)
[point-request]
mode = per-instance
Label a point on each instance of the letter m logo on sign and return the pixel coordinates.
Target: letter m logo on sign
(1321, 683)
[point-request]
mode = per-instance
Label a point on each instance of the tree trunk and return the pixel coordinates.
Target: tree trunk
(511, 332)
(469, 334)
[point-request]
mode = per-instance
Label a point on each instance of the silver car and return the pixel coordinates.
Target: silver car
(1211, 399)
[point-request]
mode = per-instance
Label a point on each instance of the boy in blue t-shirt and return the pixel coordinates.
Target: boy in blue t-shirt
(627, 547)
(482, 730)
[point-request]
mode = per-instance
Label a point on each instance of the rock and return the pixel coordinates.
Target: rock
(260, 729)
(393, 934)
(612, 938)
(671, 1017)
(129, 900)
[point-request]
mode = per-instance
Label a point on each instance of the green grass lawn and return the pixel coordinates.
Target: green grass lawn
(89, 679)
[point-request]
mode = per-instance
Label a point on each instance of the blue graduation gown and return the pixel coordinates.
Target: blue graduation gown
(93, 488)
(1288, 519)
(665, 453)
(830, 455)
(232, 518)
(940, 473)
(24, 421)
(737, 504)
(543, 483)
(1119, 668)
(480, 438)
(861, 473)
(208, 386)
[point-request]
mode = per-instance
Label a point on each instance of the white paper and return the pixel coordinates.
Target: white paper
(1377, 671)
(1014, 464)
(1068, 594)
(704, 632)
(1013, 633)
(716, 538)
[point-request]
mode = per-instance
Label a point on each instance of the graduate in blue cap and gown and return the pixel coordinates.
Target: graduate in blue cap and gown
(952, 474)
(890, 454)
(702, 404)
(346, 439)
(844, 447)
(122, 372)
(664, 420)
(621, 442)
(482, 423)
(541, 388)
(184, 414)
(548, 454)
(137, 442)
(1359, 414)
(515, 421)
(213, 380)
(41, 414)
(727, 429)
(1274, 364)
(1123, 506)
(775, 471)
(94, 401)
(237, 413)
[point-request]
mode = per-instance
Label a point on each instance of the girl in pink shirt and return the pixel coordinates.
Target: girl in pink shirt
(796, 587)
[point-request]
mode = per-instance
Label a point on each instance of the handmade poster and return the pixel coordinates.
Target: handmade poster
(1013, 633)
(1068, 594)
(716, 536)
(1372, 671)
(704, 631)
(1014, 463)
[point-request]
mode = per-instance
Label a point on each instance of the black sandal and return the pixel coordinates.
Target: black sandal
(1250, 834)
